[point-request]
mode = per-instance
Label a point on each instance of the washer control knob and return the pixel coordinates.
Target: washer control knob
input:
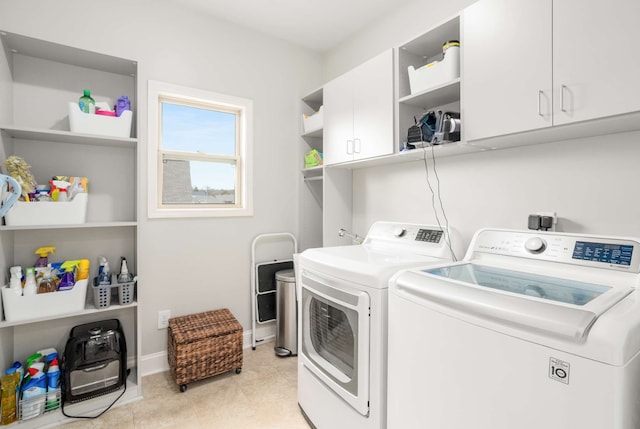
(535, 245)
(399, 231)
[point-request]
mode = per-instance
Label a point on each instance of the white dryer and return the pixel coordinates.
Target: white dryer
(343, 307)
(532, 330)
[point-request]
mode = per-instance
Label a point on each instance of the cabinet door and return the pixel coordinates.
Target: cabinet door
(595, 60)
(373, 107)
(338, 120)
(506, 76)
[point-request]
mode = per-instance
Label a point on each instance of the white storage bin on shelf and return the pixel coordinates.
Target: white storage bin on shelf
(72, 212)
(435, 73)
(312, 122)
(87, 123)
(44, 304)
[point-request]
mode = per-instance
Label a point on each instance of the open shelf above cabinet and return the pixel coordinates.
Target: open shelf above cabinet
(440, 95)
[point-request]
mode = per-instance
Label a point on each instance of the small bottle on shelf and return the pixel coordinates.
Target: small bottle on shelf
(86, 103)
(30, 287)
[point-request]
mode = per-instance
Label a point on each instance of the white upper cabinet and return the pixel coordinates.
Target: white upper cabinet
(595, 59)
(506, 85)
(358, 112)
(533, 64)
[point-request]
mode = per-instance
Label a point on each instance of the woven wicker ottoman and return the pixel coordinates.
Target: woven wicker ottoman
(203, 345)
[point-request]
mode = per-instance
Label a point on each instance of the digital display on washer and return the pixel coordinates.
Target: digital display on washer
(603, 252)
(429, 235)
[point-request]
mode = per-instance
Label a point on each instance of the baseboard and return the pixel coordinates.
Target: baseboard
(157, 362)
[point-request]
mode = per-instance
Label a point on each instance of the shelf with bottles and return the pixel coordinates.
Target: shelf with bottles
(88, 407)
(41, 100)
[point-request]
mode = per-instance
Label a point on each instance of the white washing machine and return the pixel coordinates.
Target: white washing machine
(343, 307)
(531, 330)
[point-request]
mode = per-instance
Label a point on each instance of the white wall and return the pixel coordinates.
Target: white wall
(589, 182)
(197, 264)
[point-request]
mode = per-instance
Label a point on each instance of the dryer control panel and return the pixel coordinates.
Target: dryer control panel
(430, 240)
(597, 251)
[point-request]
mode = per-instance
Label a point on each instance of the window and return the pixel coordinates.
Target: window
(200, 153)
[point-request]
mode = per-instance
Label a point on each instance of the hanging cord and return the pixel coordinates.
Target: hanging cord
(433, 197)
(96, 416)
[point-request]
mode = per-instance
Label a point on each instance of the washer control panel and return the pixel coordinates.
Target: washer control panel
(603, 252)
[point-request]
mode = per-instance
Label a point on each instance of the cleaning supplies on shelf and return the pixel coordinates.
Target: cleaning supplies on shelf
(124, 276)
(30, 286)
(86, 103)
(9, 406)
(43, 253)
(122, 104)
(47, 283)
(83, 269)
(104, 273)
(15, 282)
(53, 382)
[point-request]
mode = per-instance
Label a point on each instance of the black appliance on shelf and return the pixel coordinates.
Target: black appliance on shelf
(434, 127)
(94, 361)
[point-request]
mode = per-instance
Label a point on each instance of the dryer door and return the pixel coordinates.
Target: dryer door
(335, 338)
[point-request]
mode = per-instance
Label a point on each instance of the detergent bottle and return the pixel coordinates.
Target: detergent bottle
(43, 252)
(30, 287)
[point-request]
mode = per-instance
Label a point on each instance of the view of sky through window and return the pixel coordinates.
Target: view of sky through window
(197, 130)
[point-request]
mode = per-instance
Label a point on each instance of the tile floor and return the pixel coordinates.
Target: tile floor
(262, 396)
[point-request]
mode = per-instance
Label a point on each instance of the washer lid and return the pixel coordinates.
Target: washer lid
(555, 306)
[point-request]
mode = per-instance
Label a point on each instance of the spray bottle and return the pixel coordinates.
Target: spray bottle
(124, 276)
(43, 252)
(15, 283)
(104, 273)
(68, 271)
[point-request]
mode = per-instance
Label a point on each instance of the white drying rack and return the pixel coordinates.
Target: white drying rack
(255, 287)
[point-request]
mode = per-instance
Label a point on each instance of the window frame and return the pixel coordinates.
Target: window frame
(159, 92)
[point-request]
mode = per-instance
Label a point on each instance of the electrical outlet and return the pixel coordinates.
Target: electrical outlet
(163, 319)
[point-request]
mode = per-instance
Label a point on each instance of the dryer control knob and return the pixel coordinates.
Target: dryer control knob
(399, 231)
(535, 245)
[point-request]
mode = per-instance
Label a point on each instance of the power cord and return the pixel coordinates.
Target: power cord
(101, 413)
(433, 197)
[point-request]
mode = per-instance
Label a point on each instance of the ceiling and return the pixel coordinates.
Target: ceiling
(315, 24)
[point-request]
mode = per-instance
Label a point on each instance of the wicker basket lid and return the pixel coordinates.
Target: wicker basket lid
(194, 327)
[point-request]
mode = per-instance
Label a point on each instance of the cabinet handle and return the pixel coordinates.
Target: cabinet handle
(540, 93)
(356, 145)
(562, 89)
(349, 147)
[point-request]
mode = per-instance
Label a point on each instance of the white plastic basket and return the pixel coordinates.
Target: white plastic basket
(44, 304)
(313, 122)
(87, 123)
(435, 73)
(72, 212)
